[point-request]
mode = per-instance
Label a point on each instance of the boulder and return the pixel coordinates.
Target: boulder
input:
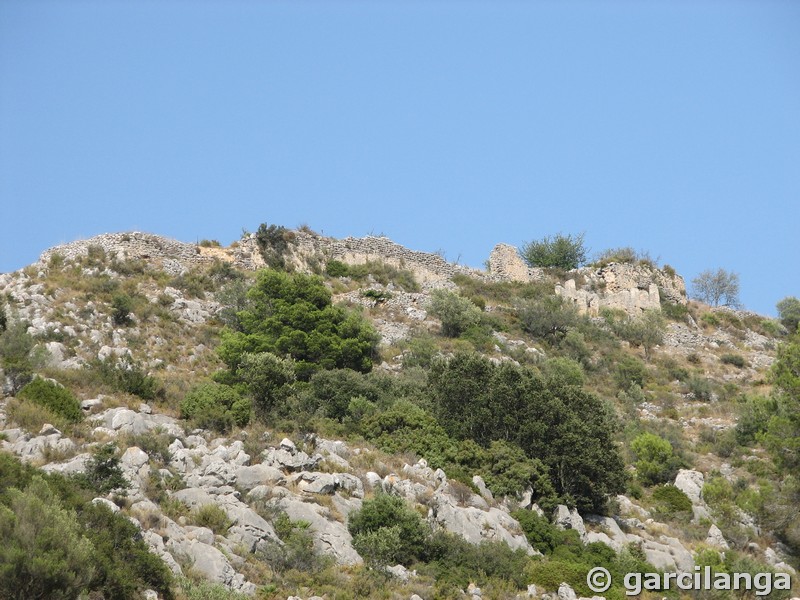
(476, 525)
(564, 518)
(691, 483)
(249, 477)
(716, 539)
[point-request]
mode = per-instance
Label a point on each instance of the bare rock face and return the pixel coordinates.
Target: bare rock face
(506, 263)
(564, 518)
(476, 525)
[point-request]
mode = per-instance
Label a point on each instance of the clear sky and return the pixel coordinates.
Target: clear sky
(672, 127)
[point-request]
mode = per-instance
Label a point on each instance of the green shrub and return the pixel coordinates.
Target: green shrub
(737, 360)
(211, 516)
(754, 416)
(273, 243)
(54, 397)
(121, 307)
(671, 501)
(655, 459)
(453, 563)
(646, 330)
(103, 473)
(624, 254)
(455, 312)
(390, 528)
(209, 244)
(3, 317)
(45, 553)
(473, 399)
(789, 313)
(541, 533)
(377, 296)
(332, 391)
(336, 268)
(125, 375)
(700, 388)
(215, 406)
(565, 370)
(629, 370)
(674, 311)
(420, 353)
(547, 317)
(267, 378)
(18, 358)
(292, 315)
(296, 550)
(560, 251)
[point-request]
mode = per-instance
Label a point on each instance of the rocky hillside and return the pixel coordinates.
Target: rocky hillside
(257, 425)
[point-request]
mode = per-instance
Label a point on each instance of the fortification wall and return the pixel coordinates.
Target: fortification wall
(630, 287)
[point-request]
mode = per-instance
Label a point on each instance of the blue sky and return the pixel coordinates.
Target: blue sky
(672, 127)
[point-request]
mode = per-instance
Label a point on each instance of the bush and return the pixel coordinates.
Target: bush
(125, 375)
(17, 356)
(624, 254)
(273, 243)
(336, 268)
(674, 312)
(455, 312)
(292, 315)
(565, 370)
(332, 391)
(567, 428)
(548, 317)
(560, 251)
(388, 531)
(655, 460)
(267, 378)
(713, 287)
(121, 307)
(44, 553)
(213, 517)
(789, 313)
(700, 388)
(103, 473)
(671, 501)
(297, 550)
(737, 360)
(646, 330)
(215, 406)
(53, 397)
(629, 370)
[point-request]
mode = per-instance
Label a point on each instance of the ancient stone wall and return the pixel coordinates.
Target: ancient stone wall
(630, 287)
(175, 256)
(426, 267)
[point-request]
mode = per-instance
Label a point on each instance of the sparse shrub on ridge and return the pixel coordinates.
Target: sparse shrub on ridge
(789, 313)
(715, 287)
(560, 251)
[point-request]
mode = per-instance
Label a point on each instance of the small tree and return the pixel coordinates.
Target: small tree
(44, 553)
(121, 305)
(789, 313)
(560, 251)
(548, 317)
(18, 359)
(387, 531)
(715, 287)
(455, 312)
